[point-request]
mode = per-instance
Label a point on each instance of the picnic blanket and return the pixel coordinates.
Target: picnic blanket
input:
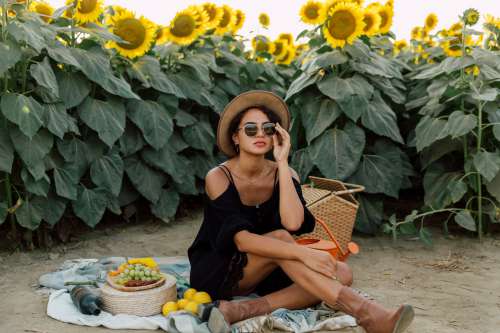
(60, 306)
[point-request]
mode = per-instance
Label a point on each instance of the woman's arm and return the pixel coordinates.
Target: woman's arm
(290, 206)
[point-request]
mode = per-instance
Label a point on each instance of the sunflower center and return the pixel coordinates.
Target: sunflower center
(211, 11)
(383, 18)
(368, 19)
(278, 48)
(261, 46)
(87, 6)
(342, 24)
(132, 31)
(312, 12)
(238, 19)
(225, 19)
(183, 26)
(430, 22)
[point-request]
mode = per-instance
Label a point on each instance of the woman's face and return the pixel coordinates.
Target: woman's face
(259, 144)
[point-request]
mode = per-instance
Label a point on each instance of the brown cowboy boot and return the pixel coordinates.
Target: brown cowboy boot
(373, 317)
(224, 313)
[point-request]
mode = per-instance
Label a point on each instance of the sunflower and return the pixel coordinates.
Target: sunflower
(214, 14)
(312, 12)
(43, 9)
(264, 20)
(386, 13)
(288, 57)
(84, 11)
(330, 4)
(399, 45)
(240, 20)
(372, 22)
(227, 21)
(138, 34)
(280, 47)
(431, 22)
(344, 24)
(474, 70)
(301, 48)
(415, 33)
(471, 16)
(161, 35)
(184, 27)
(456, 28)
(286, 36)
(262, 44)
(202, 18)
(452, 48)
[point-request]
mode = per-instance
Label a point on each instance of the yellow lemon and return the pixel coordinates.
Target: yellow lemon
(182, 303)
(192, 306)
(202, 297)
(188, 294)
(169, 307)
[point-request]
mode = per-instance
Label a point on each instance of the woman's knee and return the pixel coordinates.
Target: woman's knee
(281, 234)
(344, 273)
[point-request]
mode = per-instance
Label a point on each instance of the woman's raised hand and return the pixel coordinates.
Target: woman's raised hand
(282, 150)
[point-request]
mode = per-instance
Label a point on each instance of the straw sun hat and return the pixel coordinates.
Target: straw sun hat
(242, 102)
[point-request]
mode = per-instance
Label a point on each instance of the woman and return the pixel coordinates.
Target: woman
(245, 244)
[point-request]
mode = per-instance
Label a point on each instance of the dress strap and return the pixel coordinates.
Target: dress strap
(226, 171)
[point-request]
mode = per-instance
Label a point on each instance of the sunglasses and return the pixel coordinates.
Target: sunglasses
(251, 129)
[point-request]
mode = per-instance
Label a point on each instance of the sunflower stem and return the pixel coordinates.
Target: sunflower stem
(478, 176)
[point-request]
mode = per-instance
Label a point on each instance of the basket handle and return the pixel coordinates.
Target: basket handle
(330, 234)
(355, 189)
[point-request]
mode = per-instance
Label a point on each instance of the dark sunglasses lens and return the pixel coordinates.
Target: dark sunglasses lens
(269, 128)
(251, 129)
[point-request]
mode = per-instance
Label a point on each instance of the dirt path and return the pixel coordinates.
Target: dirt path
(454, 287)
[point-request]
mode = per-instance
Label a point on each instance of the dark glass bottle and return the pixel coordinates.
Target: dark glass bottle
(86, 301)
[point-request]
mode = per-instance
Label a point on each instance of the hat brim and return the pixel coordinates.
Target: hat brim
(244, 101)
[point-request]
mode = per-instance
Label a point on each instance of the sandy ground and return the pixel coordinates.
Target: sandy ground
(454, 287)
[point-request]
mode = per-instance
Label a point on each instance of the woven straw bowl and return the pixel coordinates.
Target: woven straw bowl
(140, 303)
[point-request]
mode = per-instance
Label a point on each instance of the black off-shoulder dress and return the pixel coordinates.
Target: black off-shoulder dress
(216, 263)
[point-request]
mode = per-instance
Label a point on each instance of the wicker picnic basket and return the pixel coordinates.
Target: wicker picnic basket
(332, 202)
(141, 302)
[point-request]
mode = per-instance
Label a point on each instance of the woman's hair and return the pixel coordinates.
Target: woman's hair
(235, 122)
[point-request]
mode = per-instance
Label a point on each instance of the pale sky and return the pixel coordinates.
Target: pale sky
(285, 18)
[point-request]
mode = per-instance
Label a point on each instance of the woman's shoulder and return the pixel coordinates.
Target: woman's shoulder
(216, 182)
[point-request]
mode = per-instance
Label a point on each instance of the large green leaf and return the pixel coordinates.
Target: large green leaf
(436, 181)
(80, 153)
(58, 121)
(381, 119)
(336, 152)
(303, 81)
(153, 120)
(44, 75)
(107, 172)
(488, 164)
(24, 112)
(151, 70)
(32, 151)
(325, 60)
(3, 211)
(465, 220)
(73, 88)
(200, 135)
(370, 214)
(51, 208)
(66, 180)
(167, 160)
(354, 106)
(339, 89)
(493, 187)
(493, 111)
(439, 149)
(62, 54)
(460, 123)
(107, 118)
(90, 205)
(488, 94)
(302, 162)
(28, 215)
(388, 88)
(27, 32)
(146, 180)
(95, 65)
(6, 151)
(378, 174)
(457, 189)
(39, 187)
(10, 55)
(201, 163)
(188, 185)
(131, 141)
(317, 116)
(166, 207)
(429, 130)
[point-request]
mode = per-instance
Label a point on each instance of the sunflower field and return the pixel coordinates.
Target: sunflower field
(104, 111)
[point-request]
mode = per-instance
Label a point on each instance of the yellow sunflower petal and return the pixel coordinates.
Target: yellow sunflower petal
(43, 9)
(264, 20)
(399, 46)
(288, 57)
(86, 11)
(184, 27)
(386, 14)
(227, 22)
(280, 47)
(286, 36)
(344, 24)
(240, 20)
(262, 44)
(372, 22)
(214, 14)
(138, 34)
(431, 22)
(313, 12)
(161, 35)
